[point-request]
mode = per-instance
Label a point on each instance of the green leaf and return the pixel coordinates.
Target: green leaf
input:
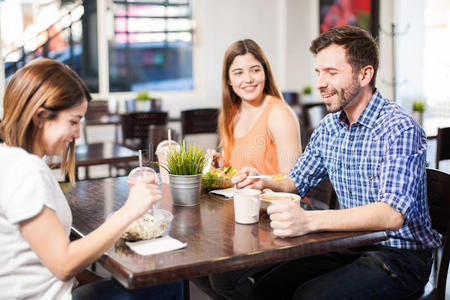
(185, 160)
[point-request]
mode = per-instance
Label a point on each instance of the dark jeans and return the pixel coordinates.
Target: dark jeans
(372, 272)
(110, 289)
(236, 285)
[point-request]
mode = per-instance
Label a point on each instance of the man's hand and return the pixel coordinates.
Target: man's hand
(241, 180)
(288, 219)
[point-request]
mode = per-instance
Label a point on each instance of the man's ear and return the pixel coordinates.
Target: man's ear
(39, 116)
(366, 75)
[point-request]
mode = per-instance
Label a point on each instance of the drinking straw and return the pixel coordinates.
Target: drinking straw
(140, 162)
(169, 136)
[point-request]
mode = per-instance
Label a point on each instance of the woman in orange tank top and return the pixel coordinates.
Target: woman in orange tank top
(257, 128)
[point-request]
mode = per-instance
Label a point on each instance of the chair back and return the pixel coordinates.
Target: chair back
(135, 127)
(157, 134)
(438, 183)
(97, 109)
(203, 124)
(309, 117)
(323, 196)
(195, 121)
(442, 145)
(291, 98)
(130, 105)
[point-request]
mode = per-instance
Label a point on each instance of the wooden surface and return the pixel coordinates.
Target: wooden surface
(215, 242)
(102, 153)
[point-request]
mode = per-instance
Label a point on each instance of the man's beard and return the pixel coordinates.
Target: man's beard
(345, 96)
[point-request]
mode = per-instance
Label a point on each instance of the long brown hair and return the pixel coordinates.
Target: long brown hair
(230, 100)
(42, 83)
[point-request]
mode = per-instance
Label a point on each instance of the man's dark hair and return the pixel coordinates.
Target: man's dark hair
(361, 48)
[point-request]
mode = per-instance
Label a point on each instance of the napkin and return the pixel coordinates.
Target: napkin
(227, 193)
(155, 246)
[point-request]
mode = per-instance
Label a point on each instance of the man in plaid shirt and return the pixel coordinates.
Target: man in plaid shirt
(374, 155)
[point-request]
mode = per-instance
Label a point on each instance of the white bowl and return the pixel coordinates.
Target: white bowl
(269, 198)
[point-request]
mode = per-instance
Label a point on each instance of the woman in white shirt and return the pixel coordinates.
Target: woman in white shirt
(43, 105)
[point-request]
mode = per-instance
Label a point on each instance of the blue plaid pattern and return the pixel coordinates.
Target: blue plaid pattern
(381, 157)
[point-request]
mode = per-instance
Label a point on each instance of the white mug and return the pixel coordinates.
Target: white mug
(246, 206)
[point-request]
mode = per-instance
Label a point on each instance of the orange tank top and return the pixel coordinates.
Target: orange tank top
(256, 149)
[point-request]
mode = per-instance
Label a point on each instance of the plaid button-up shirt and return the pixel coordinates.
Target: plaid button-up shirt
(379, 158)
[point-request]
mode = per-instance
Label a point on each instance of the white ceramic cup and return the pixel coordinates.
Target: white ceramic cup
(246, 206)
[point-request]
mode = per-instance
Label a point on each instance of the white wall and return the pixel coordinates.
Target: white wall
(283, 28)
(410, 51)
(217, 25)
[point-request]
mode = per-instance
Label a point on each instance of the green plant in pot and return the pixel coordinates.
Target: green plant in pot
(143, 101)
(185, 165)
(418, 105)
(307, 93)
(418, 110)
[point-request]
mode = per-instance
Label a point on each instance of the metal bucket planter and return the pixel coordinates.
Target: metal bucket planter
(185, 189)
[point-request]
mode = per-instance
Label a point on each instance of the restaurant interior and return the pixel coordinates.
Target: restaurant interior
(154, 68)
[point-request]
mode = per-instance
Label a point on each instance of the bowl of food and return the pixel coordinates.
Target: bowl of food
(270, 198)
(149, 226)
(218, 179)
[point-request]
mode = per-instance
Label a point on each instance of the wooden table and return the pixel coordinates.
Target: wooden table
(101, 154)
(215, 242)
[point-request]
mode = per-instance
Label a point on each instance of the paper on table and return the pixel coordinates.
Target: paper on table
(155, 246)
(228, 193)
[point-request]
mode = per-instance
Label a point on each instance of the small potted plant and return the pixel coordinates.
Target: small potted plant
(143, 101)
(418, 110)
(185, 165)
(307, 93)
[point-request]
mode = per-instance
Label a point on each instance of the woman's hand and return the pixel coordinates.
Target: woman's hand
(143, 195)
(241, 180)
(217, 161)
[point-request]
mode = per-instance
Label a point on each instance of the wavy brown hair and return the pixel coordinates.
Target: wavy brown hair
(42, 83)
(230, 100)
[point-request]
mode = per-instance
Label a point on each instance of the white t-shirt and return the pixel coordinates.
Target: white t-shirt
(26, 185)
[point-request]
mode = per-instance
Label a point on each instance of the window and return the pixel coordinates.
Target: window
(150, 45)
(31, 30)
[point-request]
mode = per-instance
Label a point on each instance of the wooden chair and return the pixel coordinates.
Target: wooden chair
(157, 134)
(323, 196)
(442, 145)
(307, 125)
(439, 205)
(291, 98)
(135, 133)
(96, 110)
(198, 122)
(135, 127)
